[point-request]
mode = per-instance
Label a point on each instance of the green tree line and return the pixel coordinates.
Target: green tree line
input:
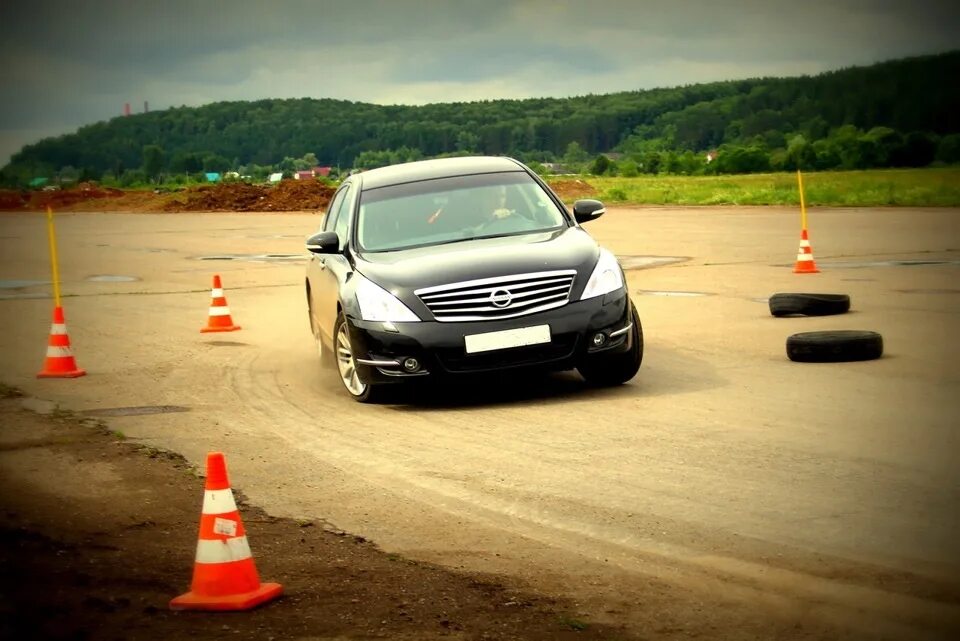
(897, 113)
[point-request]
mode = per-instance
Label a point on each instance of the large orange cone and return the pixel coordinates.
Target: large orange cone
(219, 319)
(224, 575)
(805, 263)
(60, 362)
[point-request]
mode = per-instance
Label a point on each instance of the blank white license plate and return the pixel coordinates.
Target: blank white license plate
(507, 338)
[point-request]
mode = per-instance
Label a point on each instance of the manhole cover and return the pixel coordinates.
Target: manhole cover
(110, 278)
(257, 258)
(643, 262)
(884, 263)
(141, 410)
(17, 284)
(928, 291)
(645, 292)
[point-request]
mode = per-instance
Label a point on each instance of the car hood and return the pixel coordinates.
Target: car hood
(404, 271)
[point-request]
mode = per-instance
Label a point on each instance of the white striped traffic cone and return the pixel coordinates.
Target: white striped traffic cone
(219, 319)
(224, 575)
(805, 263)
(59, 362)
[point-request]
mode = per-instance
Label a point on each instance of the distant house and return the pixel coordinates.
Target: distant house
(321, 171)
(555, 168)
(232, 174)
(711, 156)
(277, 177)
(303, 175)
(213, 177)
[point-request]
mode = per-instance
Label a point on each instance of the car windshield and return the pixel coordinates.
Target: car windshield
(445, 210)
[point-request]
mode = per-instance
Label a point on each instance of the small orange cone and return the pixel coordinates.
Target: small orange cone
(805, 263)
(224, 575)
(60, 362)
(219, 319)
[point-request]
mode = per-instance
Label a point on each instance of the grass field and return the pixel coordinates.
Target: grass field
(938, 187)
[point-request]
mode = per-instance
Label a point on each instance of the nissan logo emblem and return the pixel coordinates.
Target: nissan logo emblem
(501, 298)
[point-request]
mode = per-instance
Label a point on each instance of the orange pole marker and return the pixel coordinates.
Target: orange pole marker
(224, 574)
(805, 263)
(60, 362)
(219, 319)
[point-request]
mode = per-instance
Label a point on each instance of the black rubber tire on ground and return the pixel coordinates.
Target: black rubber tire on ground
(834, 346)
(809, 304)
(608, 371)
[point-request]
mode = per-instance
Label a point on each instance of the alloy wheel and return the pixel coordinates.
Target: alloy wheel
(346, 364)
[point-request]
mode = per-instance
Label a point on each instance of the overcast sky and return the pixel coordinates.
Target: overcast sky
(66, 64)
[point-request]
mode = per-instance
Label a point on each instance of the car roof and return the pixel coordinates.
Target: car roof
(436, 168)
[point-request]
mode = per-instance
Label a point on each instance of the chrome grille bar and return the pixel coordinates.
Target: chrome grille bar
(500, 297)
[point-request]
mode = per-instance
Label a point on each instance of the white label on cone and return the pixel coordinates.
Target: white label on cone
(58, 328)
(218, 502)
(226, 527)
(219, 311)
(216, 293)
(58, 352)
(226, 551)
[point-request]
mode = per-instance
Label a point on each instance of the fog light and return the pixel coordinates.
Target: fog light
(599, 339)
(411, 364)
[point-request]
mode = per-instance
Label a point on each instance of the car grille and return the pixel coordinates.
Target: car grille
(496, 298)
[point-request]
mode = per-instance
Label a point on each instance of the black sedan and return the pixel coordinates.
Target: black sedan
(463, 266)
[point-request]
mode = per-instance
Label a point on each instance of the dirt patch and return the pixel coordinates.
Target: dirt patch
(103, 562)
(288, 195)
(572, 189)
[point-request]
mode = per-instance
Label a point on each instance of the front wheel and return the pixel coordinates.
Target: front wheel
(347, 365)
(616, 369)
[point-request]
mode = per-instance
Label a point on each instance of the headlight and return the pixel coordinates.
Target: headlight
(377, 304)
(606, 277)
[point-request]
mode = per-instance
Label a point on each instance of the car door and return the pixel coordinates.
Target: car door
(329, 270)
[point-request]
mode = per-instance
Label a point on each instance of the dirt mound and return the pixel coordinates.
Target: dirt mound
(57, 198)
(289, 195)
(11, 199)
(572, 189)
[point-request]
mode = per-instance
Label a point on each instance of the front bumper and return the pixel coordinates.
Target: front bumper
(439, 348)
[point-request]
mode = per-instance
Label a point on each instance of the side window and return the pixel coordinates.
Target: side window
(342, 224)
(332, 209)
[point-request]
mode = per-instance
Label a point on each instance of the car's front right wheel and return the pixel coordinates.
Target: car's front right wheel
(347, 365)
(616, 369)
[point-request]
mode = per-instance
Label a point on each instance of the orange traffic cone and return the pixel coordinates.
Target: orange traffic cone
(219, 319)
(805, 263)
(224, 575)
(60, 362)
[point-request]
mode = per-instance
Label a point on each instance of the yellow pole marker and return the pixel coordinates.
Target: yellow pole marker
(803, 205)
(51, 234)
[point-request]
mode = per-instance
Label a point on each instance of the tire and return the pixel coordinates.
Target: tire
(834, 346)
(617, 369)
(347, 366)
(809, 304)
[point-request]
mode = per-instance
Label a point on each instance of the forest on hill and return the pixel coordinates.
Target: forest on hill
(900, 113)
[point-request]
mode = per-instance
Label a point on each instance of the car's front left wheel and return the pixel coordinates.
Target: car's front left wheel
(347, 365)
(616, 369)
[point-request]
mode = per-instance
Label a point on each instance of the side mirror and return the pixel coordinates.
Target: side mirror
(326, 242)
(587, 209)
